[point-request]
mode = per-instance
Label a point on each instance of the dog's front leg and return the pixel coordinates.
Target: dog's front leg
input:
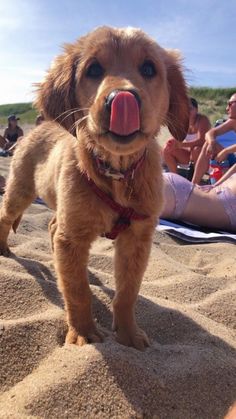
(71, 265)
(132, 251)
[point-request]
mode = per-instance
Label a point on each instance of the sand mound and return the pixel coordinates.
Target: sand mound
(186, 305)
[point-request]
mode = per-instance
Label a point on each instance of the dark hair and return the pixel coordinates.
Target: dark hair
(194, 102)
(9, 123)
(12, 117)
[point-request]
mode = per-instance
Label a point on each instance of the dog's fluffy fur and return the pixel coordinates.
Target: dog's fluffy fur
(51, 160)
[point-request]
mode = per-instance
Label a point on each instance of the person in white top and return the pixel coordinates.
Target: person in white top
(175, 153)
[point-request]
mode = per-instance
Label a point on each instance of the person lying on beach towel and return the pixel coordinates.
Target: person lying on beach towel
(211, 206)
(212, 147)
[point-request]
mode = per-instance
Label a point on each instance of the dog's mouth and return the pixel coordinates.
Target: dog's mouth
(123, 139)
(124, 108)
(122, 127)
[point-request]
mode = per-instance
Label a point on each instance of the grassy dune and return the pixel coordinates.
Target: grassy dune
(24, 111)
(212, 102)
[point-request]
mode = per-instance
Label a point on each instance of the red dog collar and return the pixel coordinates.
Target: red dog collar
(126, 214)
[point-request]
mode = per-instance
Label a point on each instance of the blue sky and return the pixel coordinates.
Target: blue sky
(32, 32)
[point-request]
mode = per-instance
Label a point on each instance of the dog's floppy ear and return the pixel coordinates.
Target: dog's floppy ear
(178, 113)
(56, 94)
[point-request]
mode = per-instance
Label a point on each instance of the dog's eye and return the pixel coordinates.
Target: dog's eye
(95, 70)
(148, 69)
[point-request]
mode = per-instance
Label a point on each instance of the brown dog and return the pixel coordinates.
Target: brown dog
(98, 165)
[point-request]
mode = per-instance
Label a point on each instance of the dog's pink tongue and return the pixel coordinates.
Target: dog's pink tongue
(124, 118)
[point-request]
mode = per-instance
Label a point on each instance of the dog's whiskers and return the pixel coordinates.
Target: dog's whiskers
(77, 123)
(69, 113)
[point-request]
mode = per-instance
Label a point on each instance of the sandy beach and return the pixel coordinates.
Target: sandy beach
(186, 305)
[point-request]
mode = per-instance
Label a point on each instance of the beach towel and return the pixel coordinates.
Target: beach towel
(194, 234)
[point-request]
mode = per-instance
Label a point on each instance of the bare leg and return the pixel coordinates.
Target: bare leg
(71, 264)
(174, 157)
(132, 251)
(202, 163)
(195, 152)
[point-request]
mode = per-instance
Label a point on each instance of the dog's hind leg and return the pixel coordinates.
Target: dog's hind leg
(20, 192)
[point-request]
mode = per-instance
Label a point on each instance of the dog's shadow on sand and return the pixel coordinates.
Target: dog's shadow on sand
(186, 372)
(44, 276)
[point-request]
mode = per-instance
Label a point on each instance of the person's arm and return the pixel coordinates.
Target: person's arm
(211, 135)
(5, 134)
(229, 173)
(171, 144)
(5, 138)
(203, 127)
(222, 155)
(2, 141)
(13, 146)
(228, 125)
(20, 132)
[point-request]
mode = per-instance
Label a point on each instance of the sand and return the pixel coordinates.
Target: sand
(186, 305)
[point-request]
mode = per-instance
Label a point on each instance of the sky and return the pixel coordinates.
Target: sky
(32, 33)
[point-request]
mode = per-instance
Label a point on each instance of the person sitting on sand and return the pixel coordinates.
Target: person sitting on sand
(208, 206)
(212, 149)
(175, 152)
(13, 132)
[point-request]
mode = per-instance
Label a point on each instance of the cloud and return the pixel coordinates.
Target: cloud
(10, 18)
(219, 68)
(16, 83)
(17, 17)
(33, 31)
(16, 90)
(22, 71)
(171, 33)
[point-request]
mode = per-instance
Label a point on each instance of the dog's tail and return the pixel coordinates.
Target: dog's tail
(16, 223)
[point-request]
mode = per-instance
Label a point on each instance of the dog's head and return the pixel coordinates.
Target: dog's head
(119, 86)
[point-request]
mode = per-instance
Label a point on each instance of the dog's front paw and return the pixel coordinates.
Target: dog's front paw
(132, 336)
(93, 335)
(4, 249)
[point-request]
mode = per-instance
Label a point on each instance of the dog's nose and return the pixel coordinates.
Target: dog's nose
(124, 108)
(114, 93)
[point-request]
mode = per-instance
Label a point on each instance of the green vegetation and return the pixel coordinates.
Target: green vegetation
(24, 111)
(212, 102)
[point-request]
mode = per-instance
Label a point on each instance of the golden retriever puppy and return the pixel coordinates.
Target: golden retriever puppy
(96, 162)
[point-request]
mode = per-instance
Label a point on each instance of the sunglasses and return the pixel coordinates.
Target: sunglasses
(231, 103)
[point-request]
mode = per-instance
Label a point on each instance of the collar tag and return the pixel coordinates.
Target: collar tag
(108, 171)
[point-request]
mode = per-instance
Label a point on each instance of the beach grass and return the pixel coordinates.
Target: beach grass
(212, 102)
(24, 111)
